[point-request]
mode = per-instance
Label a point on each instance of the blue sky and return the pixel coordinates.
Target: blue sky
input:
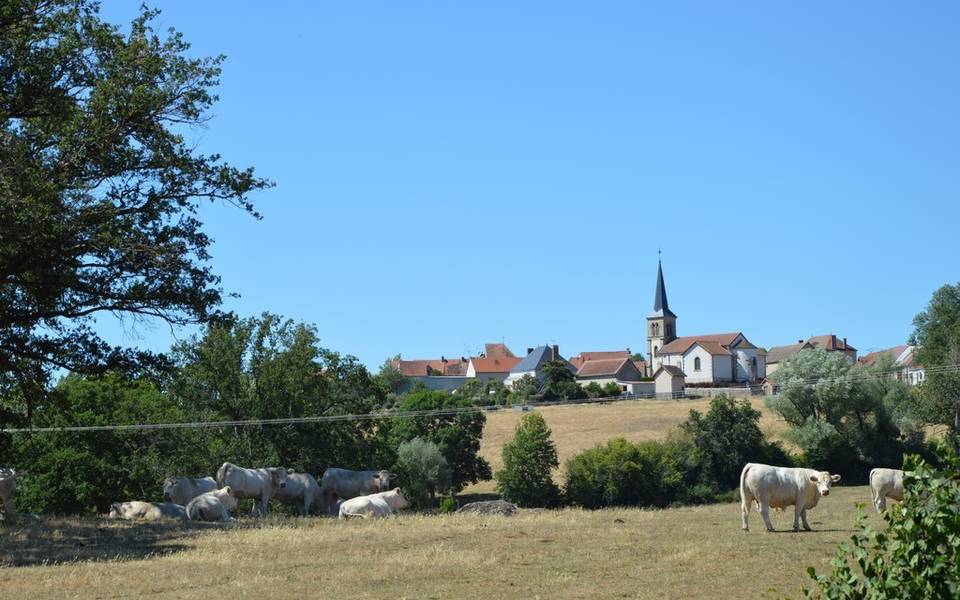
(449, 175)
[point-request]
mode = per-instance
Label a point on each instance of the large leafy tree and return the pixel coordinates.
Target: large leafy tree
(937, 338)
(528, 463)
(100, 186)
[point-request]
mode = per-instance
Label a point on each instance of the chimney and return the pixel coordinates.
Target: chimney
(844, 343)
(529, 350)
(799, 341)
(443, 359)
(556, 352)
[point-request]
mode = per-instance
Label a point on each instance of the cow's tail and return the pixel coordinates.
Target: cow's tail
(743, 483)
(222, 474)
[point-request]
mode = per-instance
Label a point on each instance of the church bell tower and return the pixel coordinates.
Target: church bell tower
(661, 323)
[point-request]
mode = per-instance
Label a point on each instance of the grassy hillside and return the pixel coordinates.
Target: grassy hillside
(576, 428)
(694, 552)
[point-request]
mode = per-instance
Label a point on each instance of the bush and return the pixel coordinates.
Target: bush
(622, 473)
(918, 554)
(528, 462)
(423, 470)
(448, 504)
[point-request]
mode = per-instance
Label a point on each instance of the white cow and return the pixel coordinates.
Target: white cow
(373, 505)
(8, 488)
(259, 484)
(213, 506)
(301, 488)
(147, 511)
(780, 487)
(181, 490)
(346, 484)
(886, 483)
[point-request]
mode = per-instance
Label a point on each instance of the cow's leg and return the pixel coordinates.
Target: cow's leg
(881, 503)
(796, 513)
(803, 517)
(745, 500)
(765, 513)
(307, 502)
(264, 500)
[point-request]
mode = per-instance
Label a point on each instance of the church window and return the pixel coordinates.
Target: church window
(656, 329)
(696, 364)
(655, 350)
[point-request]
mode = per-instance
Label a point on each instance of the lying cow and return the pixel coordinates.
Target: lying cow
(303, 489)
(181, 490)
(346, 484)
(373, 505)
(259, 484)
(212, 506)
(146, 511)
(780, 487)
(886, 483)
(8, 488)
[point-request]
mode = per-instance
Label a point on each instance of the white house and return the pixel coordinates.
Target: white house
(905, 368)
(714, 358)
(485, 368)
(668, 381)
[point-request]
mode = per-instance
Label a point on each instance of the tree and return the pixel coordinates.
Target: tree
(525, 388)
(559, 382)
(840, 414)
(529, 459)
(457, 433)
(917, 554)
(936, 336)
(423, 470)
(99, 187)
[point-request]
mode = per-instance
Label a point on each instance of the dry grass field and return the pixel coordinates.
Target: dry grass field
(578, 427)
(692, 552)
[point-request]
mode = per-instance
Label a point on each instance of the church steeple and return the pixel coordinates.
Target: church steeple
(661, 323)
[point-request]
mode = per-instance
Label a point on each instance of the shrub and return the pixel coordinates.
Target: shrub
(918, 554)
(623, 473)
(423, 470)
(448, 504)
(528, 462)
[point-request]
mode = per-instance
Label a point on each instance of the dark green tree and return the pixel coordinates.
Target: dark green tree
(936, 336)
(457, 433)
(100, 189)
(529, 459)
(560, 383)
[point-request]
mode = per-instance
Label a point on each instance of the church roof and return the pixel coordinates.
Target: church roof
(660, 306)
(682, 344)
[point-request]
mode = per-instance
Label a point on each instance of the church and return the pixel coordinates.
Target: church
(710, 359)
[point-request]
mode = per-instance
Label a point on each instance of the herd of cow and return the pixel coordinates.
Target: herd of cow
(341, 492)
(368, 493)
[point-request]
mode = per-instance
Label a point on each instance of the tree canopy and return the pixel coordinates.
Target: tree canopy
(100, 185)
(936, 336)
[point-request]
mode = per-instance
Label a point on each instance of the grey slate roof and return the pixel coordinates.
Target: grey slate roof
(660, 306)
(532, 361)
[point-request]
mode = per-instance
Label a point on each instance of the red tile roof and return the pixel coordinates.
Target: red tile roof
(830, 342)
(781, 353)
(425, 367)
(577, 361)
(713, 348)
(494, 365)
(893, 353)
(604, 366)
(497, 351)
(682, 344)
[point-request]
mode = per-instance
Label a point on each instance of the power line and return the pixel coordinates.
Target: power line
(432, 412)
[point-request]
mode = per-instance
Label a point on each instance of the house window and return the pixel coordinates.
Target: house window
(696, 364)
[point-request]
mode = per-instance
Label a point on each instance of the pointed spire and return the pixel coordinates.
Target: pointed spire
(660, 305)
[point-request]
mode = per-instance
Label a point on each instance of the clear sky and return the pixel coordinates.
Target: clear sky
(454, 173)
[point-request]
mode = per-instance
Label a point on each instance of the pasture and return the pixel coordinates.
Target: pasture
(690, 552)
(578, 427)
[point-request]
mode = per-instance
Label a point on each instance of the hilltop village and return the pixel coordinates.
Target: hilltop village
(670, 364)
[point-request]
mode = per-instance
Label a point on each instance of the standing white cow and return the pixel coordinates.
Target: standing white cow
(8, 488)
(259, 484)
(886, 483)
(181, 490)
(212, 506)
(346, 484)
(301, 488)
(780, 487)
(373, 505)
(146, 511)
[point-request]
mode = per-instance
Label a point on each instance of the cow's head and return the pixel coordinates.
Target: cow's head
(115, 511)
(279, 476)
(225, 494)
(169, 485)
(385, 479)
(823, 479)
(397, 499)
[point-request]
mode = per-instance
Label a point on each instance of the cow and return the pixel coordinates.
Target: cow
(259, 484)
(886, 483)
(8, 488)
(181, 490)
(213, 506)
(301, 488)
(780, 487)
(373, 505)
(146, 511)
(346, 484)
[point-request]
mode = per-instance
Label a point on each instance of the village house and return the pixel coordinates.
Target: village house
(623, 371)
(777, 355)
(668, 382)
(904, 367)
(532, 364)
